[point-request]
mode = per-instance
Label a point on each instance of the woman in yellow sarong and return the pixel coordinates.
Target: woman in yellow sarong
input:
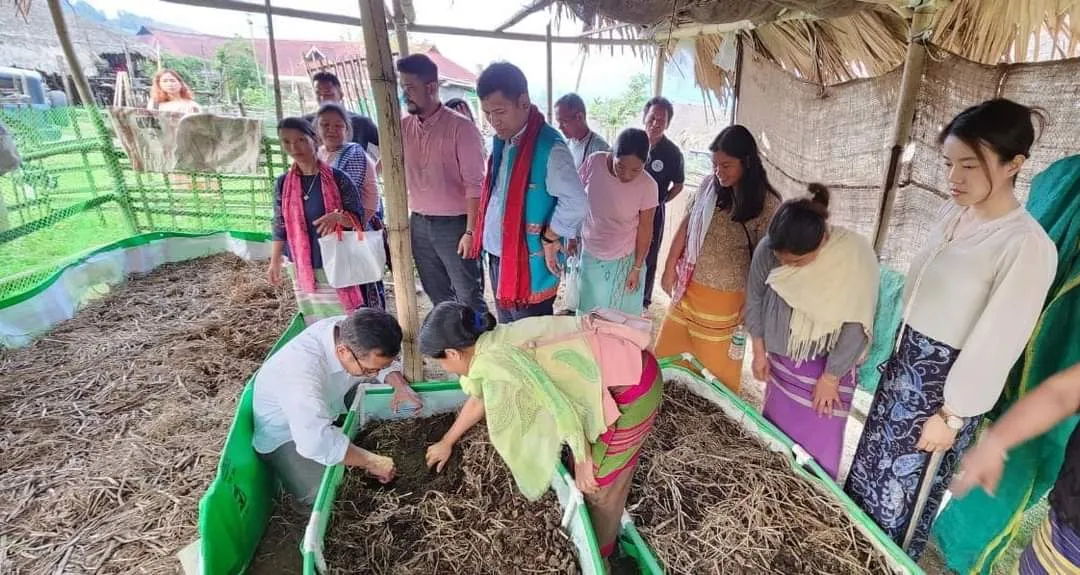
(709, 259)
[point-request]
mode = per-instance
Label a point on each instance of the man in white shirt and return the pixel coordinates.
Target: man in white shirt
(572, 118)
(303, 388)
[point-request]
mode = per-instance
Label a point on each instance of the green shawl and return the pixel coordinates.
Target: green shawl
(974, 531)
(536, 400)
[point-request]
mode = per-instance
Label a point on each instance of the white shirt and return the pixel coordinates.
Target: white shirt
(300, 392)
(982, 293)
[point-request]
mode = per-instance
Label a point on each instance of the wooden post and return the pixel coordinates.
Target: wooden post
(658, 72)
(550, 83)
(580, 71)
(81, 84)
(737, 86)
(914, 66)
(380, 63)
(400, 30)
(273, 61)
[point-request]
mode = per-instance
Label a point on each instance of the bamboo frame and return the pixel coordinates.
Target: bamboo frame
(536, 6)
(240, 6)
(81, 83)
(384, 86)
(658, 73)
(550, 77)
(400, 29)
(273, 61)
(914, 66)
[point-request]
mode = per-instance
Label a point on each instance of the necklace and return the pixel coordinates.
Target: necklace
(307, 194)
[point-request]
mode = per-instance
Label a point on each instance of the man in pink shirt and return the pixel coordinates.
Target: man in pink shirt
(444, 173)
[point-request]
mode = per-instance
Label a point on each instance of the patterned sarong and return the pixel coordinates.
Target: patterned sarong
(888, 469)
(702, 323)
(603, 285)
(789, 396)
(615, 454)
(324, 301)
(1054, 550)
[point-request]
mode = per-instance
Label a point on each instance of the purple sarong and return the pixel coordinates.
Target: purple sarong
(1055, 548)
(789, 397)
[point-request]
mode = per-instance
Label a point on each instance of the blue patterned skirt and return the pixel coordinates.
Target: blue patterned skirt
(888, 470)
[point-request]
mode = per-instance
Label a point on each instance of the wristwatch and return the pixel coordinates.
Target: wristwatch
(954, 422)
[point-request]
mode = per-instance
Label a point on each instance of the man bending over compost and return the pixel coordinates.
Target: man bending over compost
(304, 387)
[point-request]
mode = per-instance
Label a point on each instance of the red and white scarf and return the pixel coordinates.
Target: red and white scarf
(292, 211)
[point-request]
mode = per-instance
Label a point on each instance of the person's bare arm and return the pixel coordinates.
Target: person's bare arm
(471, 413)
(644, 237)
(678, 244)
(674, 191)
(1037, 412)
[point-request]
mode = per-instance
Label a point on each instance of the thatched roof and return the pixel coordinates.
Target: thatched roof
(32, 43)
(832, 41)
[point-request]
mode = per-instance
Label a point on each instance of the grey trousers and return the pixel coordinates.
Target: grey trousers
(445, 275)
(299, 475)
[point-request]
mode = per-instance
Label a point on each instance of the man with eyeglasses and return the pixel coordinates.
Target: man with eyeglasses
(302, 389)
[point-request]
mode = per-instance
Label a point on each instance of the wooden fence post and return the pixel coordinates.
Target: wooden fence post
(383, 77)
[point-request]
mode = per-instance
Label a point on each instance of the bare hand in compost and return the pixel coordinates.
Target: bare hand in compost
(438, 454)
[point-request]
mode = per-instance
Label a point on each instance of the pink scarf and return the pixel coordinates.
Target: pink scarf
(292, 211)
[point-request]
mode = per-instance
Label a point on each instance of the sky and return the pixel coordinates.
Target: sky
(605, 72)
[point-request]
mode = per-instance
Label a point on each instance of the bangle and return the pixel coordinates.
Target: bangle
(468, 232)
(547, 240)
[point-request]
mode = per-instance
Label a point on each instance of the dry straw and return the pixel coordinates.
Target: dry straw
(710, 499)
(111, 424)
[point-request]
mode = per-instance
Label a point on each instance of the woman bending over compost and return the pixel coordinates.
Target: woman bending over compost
(335, 131)
(310, 201)
(546, 381)
(973, 295)
(810, 307)
(618, 225)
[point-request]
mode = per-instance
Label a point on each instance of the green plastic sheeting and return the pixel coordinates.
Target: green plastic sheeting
(236, 508)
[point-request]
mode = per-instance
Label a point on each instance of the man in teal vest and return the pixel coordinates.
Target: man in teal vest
(533, 199)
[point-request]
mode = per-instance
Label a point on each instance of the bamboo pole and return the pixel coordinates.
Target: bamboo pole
(914, 66)
(580, 71)
(273, 61)
(81, 84)
(550, 82)
(737, 85)
(658, 72)
(384, 86)
(400, 30)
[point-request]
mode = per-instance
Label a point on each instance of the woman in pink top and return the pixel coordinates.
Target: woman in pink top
(618, 225)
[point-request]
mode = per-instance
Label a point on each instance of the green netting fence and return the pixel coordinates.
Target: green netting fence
(76, 191)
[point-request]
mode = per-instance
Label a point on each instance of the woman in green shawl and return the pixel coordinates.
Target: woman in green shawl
(545, 381)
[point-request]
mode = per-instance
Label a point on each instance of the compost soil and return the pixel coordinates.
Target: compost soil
(112, 423)
(468, 519)
(709, 498)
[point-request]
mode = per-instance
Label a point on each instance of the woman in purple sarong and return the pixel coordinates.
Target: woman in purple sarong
(810, 304)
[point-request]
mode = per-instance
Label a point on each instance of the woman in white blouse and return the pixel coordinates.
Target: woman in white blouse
(972, 297)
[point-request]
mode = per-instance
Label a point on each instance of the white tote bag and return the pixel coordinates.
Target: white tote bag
(353, 258)
(571, 282)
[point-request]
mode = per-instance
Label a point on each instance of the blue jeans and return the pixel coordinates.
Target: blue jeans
(507, 315)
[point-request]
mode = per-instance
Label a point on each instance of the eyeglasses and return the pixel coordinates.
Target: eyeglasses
(364, 371)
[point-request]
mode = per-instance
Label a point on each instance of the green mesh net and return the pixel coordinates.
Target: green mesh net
(76, 191)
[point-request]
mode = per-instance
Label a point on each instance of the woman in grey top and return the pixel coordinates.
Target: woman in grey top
(810, 306)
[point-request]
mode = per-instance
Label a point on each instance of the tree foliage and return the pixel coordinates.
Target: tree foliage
(238, 72)
(195, 72)
(612, 114)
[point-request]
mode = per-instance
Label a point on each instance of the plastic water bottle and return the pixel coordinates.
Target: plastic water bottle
(737, 348)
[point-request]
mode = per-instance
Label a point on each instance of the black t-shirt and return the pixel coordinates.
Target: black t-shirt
(1065, 498)
(364, 131)
(665, 165)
